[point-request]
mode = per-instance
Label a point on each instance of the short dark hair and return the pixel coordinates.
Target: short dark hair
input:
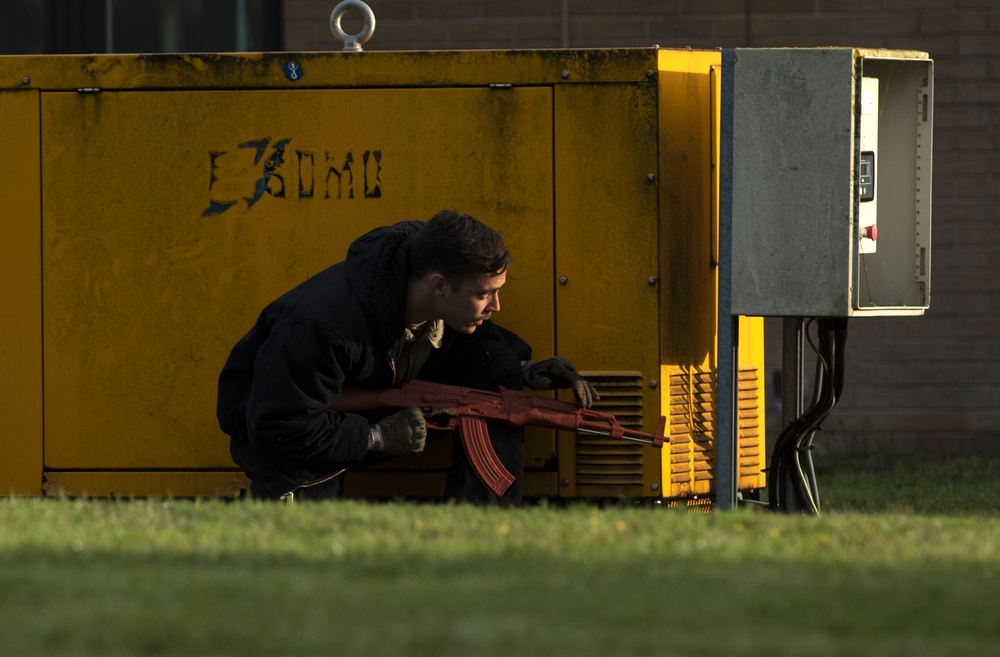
(459, 247)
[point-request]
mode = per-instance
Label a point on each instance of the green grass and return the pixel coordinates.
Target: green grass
(910, 484)
(904, 561)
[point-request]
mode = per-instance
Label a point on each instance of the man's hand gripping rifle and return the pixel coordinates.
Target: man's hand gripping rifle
(474, 407)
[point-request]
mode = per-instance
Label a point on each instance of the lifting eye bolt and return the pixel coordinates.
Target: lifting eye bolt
(352, 42)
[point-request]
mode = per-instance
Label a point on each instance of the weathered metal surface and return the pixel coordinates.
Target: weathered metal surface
(178, 194)
(326, 69)
(20, 296)
(171, 218)
(145, 484)
(797, 135)
(607, 232)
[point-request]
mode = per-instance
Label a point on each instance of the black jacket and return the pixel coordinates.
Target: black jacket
(343, 324)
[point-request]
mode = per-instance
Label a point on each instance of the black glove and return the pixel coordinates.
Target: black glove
(558, 372)
(439, 417)
(401, 433)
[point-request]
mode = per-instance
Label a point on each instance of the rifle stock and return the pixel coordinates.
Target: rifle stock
(475, 407)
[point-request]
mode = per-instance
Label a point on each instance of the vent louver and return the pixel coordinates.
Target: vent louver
(606, 462)
(692, 428)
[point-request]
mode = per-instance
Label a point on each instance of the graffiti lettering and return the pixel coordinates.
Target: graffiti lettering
(258, 167)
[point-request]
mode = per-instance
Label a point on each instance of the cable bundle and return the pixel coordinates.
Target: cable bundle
(791, 479)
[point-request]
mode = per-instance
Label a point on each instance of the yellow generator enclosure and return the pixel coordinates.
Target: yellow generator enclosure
(155, 203)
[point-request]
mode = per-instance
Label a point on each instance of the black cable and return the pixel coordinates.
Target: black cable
(791, 479)
(825, 400)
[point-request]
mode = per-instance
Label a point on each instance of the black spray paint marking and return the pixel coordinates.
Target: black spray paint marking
(336, 174)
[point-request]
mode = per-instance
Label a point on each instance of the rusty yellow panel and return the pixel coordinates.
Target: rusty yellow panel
(539, 447)
(171, 218)
(688, 115)
(688, 157)
(425, 69)
(751, 353)
(20, 296)
(541, 485)
(146, 484)
(607, 235)
(690, 84)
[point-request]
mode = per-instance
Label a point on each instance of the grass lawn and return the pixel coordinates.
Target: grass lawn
(904, 561)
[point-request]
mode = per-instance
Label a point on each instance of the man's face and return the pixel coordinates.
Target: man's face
(466, 307)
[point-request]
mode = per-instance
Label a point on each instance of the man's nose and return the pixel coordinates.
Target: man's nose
(494, 305)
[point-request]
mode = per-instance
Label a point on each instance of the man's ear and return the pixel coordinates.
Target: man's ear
(438, 283)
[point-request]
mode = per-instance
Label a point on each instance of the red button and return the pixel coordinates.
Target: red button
(871, 232)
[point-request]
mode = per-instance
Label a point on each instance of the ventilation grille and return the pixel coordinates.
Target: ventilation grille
(692, 428)
(698, 505)
(750, 429)
(606, 462)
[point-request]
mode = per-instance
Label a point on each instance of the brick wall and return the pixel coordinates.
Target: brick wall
(927, 383)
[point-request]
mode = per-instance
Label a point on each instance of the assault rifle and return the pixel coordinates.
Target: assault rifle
(474, 407)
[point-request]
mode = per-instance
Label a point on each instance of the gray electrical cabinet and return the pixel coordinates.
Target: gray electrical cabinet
(830, 181)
